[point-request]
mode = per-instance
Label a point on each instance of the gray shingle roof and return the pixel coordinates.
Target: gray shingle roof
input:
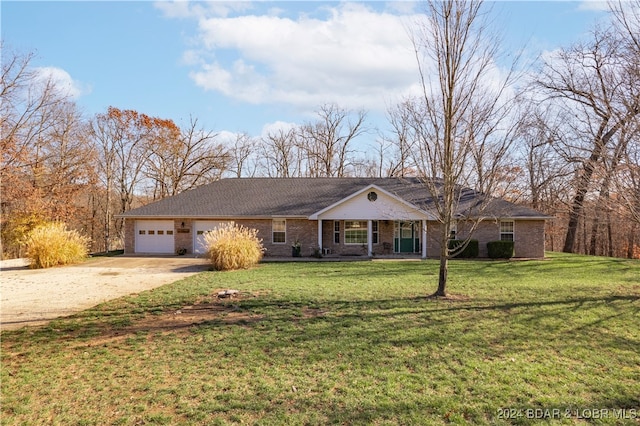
(267, 197)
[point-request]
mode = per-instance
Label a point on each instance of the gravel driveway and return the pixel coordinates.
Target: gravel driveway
(36, 296)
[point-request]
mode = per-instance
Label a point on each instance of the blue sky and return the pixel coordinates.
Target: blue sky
(249, 66)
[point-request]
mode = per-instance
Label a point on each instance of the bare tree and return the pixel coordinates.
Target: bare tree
(628, 179)
(626, 15)
(383, 163)
(243, 155)
(328, 142)
(543, 163)
(596, 81)
(281, 152)
(179, 160)
(403, 163)
(464, 106)
(605, 204)
(626, 19)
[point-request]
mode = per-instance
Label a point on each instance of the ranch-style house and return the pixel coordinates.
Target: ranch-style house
(328, 216)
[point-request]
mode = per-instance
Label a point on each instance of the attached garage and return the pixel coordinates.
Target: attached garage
(154, 236)
(200, 227)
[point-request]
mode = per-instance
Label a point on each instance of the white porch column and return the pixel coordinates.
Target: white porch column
(424, 238)
(370, 237)
(320, 235)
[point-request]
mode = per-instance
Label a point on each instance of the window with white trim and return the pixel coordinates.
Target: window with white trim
(336, 231)
(355, 232)
(279, 231)
(506, 230)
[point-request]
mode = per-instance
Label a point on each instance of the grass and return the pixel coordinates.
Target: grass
(344, 343)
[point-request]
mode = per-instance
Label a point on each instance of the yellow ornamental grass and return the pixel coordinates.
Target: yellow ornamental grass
(232, 247)
(52, 244)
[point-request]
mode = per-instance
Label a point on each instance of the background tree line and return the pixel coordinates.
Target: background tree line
(567, 143)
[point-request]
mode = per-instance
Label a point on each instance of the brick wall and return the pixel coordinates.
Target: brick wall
(129, 236)
(528, 237)
(301, 230)
(183, 236)
(528, 234)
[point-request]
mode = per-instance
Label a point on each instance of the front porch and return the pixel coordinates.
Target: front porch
(372, 238)
(340, 258)
(372, 222)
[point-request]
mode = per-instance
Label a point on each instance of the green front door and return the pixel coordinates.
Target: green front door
(406, 237)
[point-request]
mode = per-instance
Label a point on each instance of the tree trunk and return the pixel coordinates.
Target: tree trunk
(107, 217)
(594, 234)
(578, 200)
(601, 141)
(611, 251)
(444, 269)
(631, 242)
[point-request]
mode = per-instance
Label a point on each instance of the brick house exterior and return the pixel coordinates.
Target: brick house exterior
(328, 216)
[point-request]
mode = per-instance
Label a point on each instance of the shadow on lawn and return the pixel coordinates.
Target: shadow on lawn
(402, 321)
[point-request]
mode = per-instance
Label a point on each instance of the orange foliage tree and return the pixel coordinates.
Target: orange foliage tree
(45, 160)
(123, 139)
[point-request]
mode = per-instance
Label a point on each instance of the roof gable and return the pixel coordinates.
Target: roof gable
(381, 205)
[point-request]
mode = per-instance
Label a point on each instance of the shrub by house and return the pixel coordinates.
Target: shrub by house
(470, 251)
(233, 247)
(500, 249)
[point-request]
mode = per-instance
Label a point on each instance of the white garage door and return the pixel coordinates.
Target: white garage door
(154, 236)
(199, 228)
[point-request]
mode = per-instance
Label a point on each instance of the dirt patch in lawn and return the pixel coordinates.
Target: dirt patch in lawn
(209, 310)
(225, 311)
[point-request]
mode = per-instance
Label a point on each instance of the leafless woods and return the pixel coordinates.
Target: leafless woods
(563, 138)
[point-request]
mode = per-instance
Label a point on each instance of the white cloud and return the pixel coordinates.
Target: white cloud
(276, 127)
(594, 5)
(64, 84)
(353, 56)
(226, 137)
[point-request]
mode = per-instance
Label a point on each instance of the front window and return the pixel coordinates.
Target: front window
(506, 230)
(355, 232)
(336, 231)
(279, 231)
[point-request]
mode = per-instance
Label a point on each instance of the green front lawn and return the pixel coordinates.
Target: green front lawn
(344, 343)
